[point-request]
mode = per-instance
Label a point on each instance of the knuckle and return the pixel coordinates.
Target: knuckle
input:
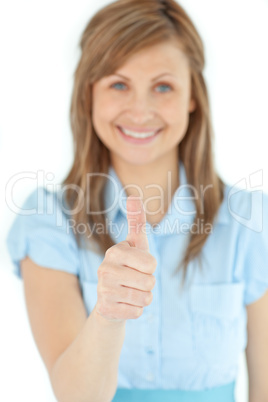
(108, 251)
(148, 298)
(123, 245)
(138, 311)
(150, 282)
(153, 263)
(147, 258)
(111, 253)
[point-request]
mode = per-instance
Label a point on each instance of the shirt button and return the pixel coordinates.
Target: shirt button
(149, 350)
(149, 377)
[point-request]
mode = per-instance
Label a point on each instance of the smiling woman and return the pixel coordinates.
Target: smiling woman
(139, 114)
(128, 315)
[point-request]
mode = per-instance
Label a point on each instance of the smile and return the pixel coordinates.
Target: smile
(136, 134)
(133, 137)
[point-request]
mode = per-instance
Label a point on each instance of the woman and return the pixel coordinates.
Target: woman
(166, 308)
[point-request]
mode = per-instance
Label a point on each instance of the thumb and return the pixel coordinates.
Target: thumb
(136, 218)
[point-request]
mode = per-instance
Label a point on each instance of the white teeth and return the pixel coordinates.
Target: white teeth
(137, 135)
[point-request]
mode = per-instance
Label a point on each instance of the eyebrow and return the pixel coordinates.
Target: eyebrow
(154, 79)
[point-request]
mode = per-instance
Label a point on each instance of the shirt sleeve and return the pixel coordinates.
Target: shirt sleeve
(255, 247)
(42, 231)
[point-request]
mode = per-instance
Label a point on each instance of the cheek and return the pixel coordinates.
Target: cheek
(103, 110)
(174, 111)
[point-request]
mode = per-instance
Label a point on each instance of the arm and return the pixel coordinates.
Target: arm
(257, 349)
(81, 353)
(87, 370)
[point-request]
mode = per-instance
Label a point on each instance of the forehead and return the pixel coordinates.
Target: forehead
(166, 55)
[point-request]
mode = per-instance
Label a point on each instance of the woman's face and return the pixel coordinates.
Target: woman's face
(150, 93)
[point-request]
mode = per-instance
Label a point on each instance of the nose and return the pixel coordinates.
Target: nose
(140, 108)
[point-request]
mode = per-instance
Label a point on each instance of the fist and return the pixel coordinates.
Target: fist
(125, 277)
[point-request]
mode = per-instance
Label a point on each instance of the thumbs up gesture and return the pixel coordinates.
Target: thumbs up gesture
(125, 277)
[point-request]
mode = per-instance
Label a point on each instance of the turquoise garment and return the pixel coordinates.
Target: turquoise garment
(191, 340)
(224, 393)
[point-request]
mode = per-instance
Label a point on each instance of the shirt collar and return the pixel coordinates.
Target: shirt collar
(181, 206)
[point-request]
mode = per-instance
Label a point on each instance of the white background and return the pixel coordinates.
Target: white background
(39, 52)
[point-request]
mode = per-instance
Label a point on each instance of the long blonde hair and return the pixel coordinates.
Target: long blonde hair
(116, 32)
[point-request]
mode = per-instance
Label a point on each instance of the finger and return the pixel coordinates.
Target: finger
(132, 257)
(136, 217)
(126, 276)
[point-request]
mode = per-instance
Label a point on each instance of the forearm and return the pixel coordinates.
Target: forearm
(256, 394)
(257, 398)
(87, 370)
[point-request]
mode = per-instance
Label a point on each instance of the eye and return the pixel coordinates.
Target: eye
(118, 84)
(163, 86)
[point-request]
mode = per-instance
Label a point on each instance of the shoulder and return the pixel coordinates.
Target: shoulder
(44, 205)
(41, 197)
(42, 231)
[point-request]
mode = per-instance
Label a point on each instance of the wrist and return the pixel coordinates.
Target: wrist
(105, 322)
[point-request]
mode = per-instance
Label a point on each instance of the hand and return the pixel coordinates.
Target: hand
(125, 277)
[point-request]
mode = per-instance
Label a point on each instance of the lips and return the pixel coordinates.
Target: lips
(140, 130)
(133, 140)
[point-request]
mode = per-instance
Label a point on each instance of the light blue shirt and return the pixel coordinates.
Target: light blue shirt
(190, 340)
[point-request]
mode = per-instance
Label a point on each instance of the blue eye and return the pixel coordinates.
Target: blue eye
(117, 83)
(164, 85)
